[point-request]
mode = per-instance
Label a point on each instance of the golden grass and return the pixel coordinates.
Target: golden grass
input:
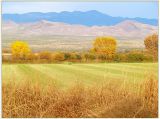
(109, 100)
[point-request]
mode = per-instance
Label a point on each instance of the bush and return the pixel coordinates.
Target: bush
(67, 56)
(88, 56)
(32, 56)
(135, 57)
(74, 57)
(6, 50)
(45, 55)
(59, 56)
(121, 57)
(138, 56)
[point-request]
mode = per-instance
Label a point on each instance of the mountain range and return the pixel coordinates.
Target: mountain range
(88, 18)
(74, 30)
(128, 28)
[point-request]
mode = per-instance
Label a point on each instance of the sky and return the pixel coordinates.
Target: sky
(122, 9)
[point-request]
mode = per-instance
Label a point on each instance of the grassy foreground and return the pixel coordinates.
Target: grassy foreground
(91, 90)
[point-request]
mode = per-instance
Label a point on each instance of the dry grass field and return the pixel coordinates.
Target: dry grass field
(80, 90)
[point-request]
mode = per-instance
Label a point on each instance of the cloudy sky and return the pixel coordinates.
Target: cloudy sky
(122, 9)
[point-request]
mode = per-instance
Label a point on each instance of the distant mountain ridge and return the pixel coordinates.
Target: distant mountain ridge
(126, 28)
(89, 18)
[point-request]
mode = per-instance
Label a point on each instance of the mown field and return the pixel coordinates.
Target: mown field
(65, 75)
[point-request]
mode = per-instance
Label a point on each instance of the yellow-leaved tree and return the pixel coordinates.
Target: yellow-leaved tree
(151, 44)
(20, 50)
(105, 46)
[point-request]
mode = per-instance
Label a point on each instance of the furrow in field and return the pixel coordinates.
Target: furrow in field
(66, 75)
(139, 67)
(121, 72)
(10, 72)
(90, 75)
(72, 73)
(33, 75)
(130, 66)
(62, 77)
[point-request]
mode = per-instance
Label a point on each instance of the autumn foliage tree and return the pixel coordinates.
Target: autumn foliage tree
(151, 44)
(105, 46)
(20, 50)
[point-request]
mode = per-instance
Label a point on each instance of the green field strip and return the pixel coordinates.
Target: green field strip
(65, 75)
(56, 75)
(115, 71)
(130, 68)
(70, 73)
(33, 75)
(10, 72)
(99, 70)
(74, 73)
(97, 75)
(136, 66)
(63, 79)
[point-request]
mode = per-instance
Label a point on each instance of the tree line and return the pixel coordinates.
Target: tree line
(103, 50)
